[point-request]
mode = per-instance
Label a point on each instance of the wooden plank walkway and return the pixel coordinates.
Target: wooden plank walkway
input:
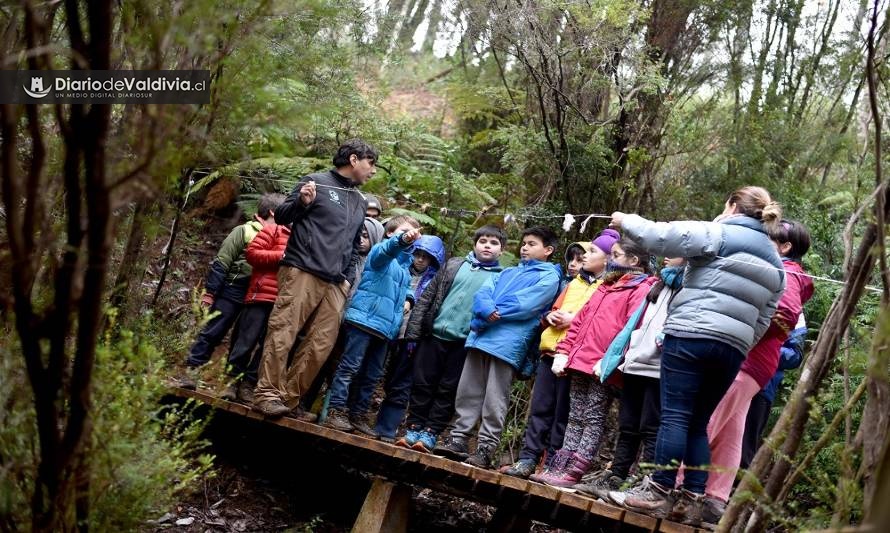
(536, 501)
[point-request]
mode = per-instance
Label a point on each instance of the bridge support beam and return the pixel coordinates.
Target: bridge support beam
(385, 509)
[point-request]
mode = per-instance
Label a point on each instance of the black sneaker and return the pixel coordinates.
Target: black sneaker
(339, 420)
(453, 448)
(483, 457)
(600, 484)
(521, 469)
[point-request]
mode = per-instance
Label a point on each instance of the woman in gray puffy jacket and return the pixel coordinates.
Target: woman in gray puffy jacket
(731, 287)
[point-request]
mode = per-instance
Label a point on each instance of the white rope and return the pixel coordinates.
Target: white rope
(447, 211)
(805, 275)
(568, 218)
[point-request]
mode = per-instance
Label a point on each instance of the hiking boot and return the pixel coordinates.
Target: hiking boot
(426, 441)
(245, 392)
(454, 448)
(387, 439)
(188, 380)
(521, 469)
(569, 475)
(361, 425)
(654, 500)
(230, 393)
(601, 484)
(271, 408)
(483, 457)
(697, 510)
(302, 415)
(338, 419)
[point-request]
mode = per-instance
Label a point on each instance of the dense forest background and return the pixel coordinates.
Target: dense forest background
(480, 109)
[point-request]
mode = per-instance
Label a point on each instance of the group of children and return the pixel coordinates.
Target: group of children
(457, 333)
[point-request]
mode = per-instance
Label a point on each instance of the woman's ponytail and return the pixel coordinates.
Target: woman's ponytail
(756, 202)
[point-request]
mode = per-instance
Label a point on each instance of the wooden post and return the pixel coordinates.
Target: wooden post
(385, 509)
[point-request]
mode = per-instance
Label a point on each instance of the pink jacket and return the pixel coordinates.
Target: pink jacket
(763, 359)
(601, 318)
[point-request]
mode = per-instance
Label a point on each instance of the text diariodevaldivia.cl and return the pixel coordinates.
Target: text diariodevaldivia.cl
(128, 85)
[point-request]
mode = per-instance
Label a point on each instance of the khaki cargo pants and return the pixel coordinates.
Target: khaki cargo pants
(303, 300)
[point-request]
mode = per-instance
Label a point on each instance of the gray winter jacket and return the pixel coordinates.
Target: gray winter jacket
(643, 355)
(733, 281)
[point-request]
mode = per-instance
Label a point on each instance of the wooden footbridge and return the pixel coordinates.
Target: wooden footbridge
(396, 470)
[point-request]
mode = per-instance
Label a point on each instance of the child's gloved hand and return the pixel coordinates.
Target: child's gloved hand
(560, 361)
(598, 368)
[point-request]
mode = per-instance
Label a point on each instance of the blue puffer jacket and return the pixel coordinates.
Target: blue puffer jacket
(520, 295)
(380, 298)
(732, 283)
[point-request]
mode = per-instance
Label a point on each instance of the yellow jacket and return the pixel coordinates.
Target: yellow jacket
(572, 299)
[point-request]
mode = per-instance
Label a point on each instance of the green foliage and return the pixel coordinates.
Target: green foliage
(142, 454)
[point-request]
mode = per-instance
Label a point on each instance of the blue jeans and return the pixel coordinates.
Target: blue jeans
(363, 358)
(695, 374)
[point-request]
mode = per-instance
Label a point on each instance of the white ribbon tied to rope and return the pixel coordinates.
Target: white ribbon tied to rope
(567, 222)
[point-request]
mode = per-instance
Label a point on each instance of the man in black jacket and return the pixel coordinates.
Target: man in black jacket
(327, 212)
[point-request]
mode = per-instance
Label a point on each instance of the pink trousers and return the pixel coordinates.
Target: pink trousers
(725, 432)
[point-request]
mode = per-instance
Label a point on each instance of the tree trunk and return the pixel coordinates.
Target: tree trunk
(787, 435)
(640, 132)
(60, 371)
(131, 270)
(876, 417)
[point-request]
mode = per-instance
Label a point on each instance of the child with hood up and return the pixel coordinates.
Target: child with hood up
(429, 255)
(373, 318)
(440, 324)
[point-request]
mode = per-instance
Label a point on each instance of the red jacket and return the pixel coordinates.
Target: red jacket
(264, 253)
(763, 359)
(601, 318)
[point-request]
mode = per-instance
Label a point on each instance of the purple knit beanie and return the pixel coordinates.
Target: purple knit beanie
(606, 239)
